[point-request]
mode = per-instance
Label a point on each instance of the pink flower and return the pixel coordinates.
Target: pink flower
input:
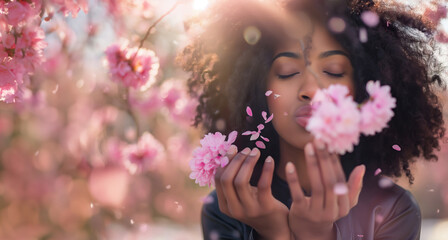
(378, 110)
(131, 68)
(30, 46)
(11, 81)
(209, 156)
(21, 12)
(335, 119)
(144, 155)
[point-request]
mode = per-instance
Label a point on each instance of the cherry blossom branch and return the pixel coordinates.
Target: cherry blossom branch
(154, 25)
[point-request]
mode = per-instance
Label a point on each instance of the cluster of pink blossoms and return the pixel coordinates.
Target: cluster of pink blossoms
(337, 120)
(133, 67)
(22, 41)
(144, 155)
(209, 156)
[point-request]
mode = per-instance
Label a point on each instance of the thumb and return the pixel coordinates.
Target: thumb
(355, 184)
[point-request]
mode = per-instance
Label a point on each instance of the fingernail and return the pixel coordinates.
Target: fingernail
(269, 159)
(290, 167)
(320, 144)
(232, 150)
(246, 151)
(309, 149)
(254, 152)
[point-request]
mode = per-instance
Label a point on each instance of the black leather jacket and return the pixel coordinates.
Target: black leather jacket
(389, 213)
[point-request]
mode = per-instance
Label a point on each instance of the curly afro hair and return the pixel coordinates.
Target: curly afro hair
(228, 74)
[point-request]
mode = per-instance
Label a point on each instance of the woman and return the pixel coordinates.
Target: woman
(287, 191)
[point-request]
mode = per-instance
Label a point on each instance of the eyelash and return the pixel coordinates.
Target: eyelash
(287, 76)
(338, 75)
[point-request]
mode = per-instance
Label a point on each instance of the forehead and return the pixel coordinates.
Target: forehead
(301, 31)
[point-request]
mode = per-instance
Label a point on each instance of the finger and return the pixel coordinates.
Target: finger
(265, 181)
(218, 187)
(355, 184)
(341, 188)
(297, 194)
(328, 178)
(242, 179)
(317, 189)
(227, 178)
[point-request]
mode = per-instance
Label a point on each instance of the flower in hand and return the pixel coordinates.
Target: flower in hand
(211, 155)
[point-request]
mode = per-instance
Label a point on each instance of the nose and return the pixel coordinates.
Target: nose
(308, 87)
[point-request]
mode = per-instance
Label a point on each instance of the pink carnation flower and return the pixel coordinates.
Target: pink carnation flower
(131, 69)
(144, 155)
(335, 119)
(376, 113)
(211, 155)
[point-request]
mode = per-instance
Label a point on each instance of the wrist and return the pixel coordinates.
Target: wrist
(272, 235)
(316, 234)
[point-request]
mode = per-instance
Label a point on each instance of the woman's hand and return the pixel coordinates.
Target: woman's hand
(331, 198)
(254, 206)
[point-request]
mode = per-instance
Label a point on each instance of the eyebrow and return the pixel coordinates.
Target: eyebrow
(334, 52)
(286, 54)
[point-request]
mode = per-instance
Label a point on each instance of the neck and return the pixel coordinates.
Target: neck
(289, 153)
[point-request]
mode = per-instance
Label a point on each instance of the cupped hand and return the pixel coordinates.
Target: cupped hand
(254, 206)
(331, 198)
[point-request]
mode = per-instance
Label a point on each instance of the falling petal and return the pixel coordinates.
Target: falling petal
(207, 200)
(363, 35)
(340, 189)
(254, 136)
(264, 115)
(379, 218)
(249, 111)
(132, 221)
(276, 96)
(370, 18)
(232, 137)
(377, 171)
(385, 182)
(396, 147)
(264, 138)
(260, 144)
(91, 205)
(260, 127)
(285, 114)
(268, 93)
(336, 24)
(431, 190)
(56, 89)
(269, 119)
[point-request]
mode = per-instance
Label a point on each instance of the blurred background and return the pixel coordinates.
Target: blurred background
(85, 156)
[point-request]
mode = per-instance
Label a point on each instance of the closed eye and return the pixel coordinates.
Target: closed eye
(288, 75)
(334, 74)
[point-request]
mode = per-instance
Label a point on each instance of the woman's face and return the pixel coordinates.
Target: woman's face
(296, 74)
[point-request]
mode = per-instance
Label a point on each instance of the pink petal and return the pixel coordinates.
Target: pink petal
(340, 189)
(254, 136)
(268, 93)
(377, 171)
(264, 115)
(276, 96)
(371, 19)
(285, 114)
(248, 133)
(269, 119)
(249, 111)
(260, 127)
(396, 147)
(260, 144)
(265, 139)
(232, 137)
